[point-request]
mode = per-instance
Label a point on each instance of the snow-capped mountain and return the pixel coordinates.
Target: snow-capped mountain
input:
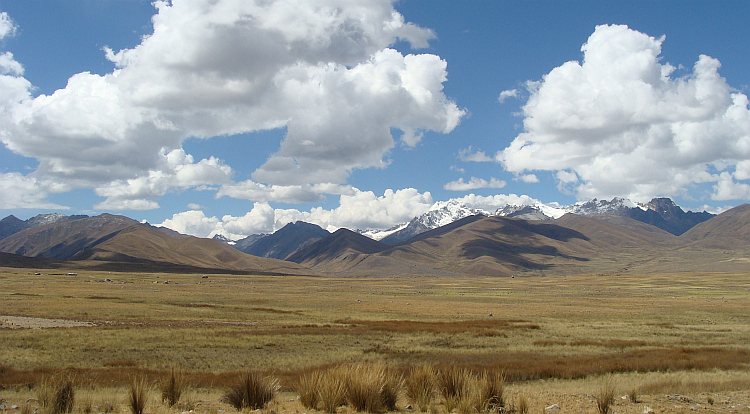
(617, 206)
(440, 214)
(660, 212)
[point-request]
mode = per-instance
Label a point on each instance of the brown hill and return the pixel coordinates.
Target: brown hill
(337, 251)
(498, 246)
(728, 230)
(64, 239)
(109, 241)
(142, 243)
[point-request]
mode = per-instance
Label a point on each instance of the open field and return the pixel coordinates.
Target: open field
(106, 327)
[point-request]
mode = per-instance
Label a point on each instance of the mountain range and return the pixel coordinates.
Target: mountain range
(451, 239)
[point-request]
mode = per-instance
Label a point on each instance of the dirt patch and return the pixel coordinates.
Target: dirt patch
(23, 322)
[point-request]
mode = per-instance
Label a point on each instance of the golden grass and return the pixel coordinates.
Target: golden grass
(541, 327)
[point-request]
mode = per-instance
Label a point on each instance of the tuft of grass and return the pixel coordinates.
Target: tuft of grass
(420, 386)
(633, 394)
(171, 388)
(252, 391)
(523, 405)
(393, 384)
(26, 409)
(44, 393)
(491, 391)
(453, 385)
(364, 387)
(332, 389)
(137, 395)
(308, 388)
(64, 398)
(605, 396)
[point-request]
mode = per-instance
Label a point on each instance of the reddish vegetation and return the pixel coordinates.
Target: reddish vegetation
(515, 367)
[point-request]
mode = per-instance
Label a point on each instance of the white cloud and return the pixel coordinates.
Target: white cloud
(7, 26)
(322, 69)
(510, 93)
(728, 189)
(474, 184)
(621, 123)
(357, 210)
(176, 169)
(471, 155)
(250, 190)
(19, 191)
(192, 222)
(528, 178)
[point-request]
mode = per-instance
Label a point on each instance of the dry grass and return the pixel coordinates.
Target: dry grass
(137, 395)
(420, 386)
(605, 396)
(171, 388)
(332, 389)
(542, 328)
(252, 391)
(308, 387)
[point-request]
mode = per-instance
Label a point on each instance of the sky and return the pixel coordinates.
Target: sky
(236, 117)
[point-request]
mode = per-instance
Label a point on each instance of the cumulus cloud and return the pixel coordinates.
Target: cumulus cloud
(356, 210)
(473, 184)
(623, 123)
(528, 178)
(176, 170)
(321, 69)
(471, 155)
(19, 191)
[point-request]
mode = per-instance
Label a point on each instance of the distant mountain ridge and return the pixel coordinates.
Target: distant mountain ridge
(108, 240)
(11, 225)
(660, 212)
(286, 241)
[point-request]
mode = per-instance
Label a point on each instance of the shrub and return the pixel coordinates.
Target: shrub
(251, 391)
(171, 389)
(605, 396)
(420, 386)
(137, 395)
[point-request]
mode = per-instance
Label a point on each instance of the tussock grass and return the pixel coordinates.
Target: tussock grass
(308, 387)
(171, 388)
(420, 386)
(137, 395)
(62, 397)
(252, 391)
(332, 389)
(452, 383)
(605, 395)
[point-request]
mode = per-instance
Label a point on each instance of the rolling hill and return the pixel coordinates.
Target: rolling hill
(114, 239)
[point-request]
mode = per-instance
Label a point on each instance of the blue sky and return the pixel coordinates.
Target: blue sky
(353, 117)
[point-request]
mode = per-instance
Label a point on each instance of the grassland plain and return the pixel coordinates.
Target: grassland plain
(567, 328)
